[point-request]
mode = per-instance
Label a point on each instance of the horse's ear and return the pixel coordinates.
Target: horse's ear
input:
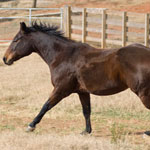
(23, 27)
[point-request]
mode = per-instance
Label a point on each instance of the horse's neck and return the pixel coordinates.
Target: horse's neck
(48, 49)
(46, 54)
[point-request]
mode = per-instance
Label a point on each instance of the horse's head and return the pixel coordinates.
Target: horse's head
(20, 46)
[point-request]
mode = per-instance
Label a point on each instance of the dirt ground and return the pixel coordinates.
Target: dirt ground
(141, 6)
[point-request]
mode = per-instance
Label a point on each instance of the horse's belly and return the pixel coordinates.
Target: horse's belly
(109, 91)
(102, 86)
(107, 88)
(100, 79)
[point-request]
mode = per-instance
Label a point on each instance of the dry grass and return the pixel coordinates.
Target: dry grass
(25, 141)
(118, 121)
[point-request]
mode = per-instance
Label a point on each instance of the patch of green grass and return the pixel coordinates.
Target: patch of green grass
(124, 114)
(118, 132)
(124, 121)
(7, 127)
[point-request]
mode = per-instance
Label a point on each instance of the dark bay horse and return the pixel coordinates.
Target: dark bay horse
(79, 68)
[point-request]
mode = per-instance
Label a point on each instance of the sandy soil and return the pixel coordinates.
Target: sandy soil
(141, 6)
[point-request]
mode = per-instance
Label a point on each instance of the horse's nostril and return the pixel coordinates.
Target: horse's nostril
(4, 59)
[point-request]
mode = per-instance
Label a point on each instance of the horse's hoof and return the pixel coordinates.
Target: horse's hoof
(84, 133)
(146, 135)
(30, 129)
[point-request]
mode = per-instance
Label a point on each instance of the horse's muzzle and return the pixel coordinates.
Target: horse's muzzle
(7, 62)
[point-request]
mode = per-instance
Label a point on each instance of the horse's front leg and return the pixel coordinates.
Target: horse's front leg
(55, 97)
(86, 106)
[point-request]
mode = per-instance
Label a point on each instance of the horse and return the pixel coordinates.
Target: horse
(77, 67)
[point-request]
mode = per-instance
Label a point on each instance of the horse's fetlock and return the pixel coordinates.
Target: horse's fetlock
(30, 129)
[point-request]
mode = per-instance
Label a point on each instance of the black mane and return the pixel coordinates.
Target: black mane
(48, 29)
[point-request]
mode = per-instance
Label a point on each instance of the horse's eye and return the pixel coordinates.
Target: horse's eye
(15, 40)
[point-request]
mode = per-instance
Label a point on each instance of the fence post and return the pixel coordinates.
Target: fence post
(62, 17)
(103, 41)
(83, 25)
(65, 20)
(147, 29)
(30, 16)
(68, 24)
(124, 28)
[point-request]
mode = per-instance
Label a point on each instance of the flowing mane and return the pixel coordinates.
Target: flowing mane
(48, 29)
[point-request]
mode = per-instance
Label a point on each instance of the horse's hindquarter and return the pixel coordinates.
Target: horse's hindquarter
(98, 73)
(135, 64)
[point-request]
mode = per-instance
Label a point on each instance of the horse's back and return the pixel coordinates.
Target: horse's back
(134, 56)
(134, 51)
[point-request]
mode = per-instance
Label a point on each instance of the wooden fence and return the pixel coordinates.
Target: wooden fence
(104, 27)
(100, 27)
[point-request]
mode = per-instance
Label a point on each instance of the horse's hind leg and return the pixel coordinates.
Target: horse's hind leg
(86, 105)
